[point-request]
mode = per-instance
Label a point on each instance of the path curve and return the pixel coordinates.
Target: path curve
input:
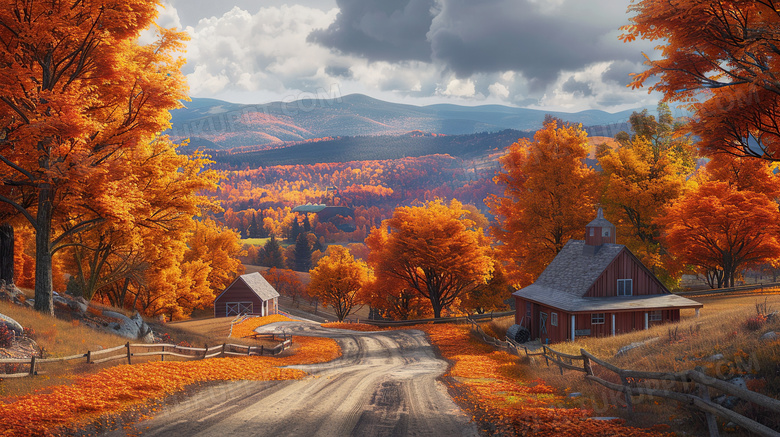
(385, 384)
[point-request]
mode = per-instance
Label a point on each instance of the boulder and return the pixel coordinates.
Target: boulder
(770, 336)
(12, 324)
(716, 357)
(133, 328)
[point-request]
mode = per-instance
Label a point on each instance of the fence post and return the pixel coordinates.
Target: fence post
(127, 345)
(249, 350)
(629, 405)
(162, 354)
(586, 365)
(205, 350)
(262, 350)
(32, 366)
(223, 349)
(89, 357)
(544, 352)
(704, 393)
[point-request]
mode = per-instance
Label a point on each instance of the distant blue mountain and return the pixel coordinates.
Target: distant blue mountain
(215, 124)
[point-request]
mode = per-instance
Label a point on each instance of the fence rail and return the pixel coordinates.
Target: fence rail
(742, 289)
(691, 387)
(486, 316)
(128, 351)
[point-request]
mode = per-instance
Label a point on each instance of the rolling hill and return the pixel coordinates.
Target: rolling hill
(214, 124)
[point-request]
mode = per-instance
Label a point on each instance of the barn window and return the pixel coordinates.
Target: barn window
(605, 232)
(625, 287)
(591, 231)
(656, 316)
(554, 319)
(597, 319)
(237, 308)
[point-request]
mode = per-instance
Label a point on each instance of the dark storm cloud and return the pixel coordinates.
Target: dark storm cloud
(380, 30)
(337, 71)
(620, 72)
(574, 86)
(472, 36)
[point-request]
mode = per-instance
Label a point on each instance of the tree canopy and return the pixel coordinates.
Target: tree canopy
(433, 249)
(337, 281)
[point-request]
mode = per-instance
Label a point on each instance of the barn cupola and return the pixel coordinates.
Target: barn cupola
(599, 231)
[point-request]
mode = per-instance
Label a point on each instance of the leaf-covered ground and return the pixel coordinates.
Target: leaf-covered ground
(128, 387)
(490, 385)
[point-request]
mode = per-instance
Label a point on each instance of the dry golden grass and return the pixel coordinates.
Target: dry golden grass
(498, 327)
(679, 346)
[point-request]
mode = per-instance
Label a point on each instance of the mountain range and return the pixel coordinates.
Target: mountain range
(218, 125)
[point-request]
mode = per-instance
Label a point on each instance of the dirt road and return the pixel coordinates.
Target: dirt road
(384, 385)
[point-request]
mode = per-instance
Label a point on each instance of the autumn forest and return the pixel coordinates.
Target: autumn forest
(99, 204)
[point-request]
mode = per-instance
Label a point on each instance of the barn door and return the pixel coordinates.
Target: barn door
(542, 324)
(238, 308)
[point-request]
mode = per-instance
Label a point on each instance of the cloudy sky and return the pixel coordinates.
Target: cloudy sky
(551, 54)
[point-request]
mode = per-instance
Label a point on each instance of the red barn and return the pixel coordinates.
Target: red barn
(248, 294)
(595, 288)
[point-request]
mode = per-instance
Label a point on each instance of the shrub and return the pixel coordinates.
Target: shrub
(6, 336)
(754, 323)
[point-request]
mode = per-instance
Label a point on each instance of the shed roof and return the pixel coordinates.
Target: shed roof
(257, 283)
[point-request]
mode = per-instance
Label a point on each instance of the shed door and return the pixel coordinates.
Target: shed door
(238, 308)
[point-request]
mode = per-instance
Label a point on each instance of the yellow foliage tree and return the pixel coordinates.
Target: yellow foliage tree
(337, 280)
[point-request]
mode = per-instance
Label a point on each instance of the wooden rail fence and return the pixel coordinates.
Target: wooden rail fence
(128, 351)
(691, 387)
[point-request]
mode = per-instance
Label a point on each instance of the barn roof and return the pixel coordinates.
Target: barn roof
(569, 303)
(259, 285)
(576, 268)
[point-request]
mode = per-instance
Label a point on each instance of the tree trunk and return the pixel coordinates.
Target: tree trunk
(7, 253)
(43, 280)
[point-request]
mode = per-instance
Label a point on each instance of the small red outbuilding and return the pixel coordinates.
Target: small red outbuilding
(249, 294)
(595, 288)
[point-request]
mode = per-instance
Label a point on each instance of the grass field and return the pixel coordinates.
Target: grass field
(722, 328)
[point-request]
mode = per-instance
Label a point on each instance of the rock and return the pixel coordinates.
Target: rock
(79, 304)
(726, 401)
(575, 395)
(739, 382)
(769, 336)
(124, 327)
(605, 418)
(716, 357)
(623, 350)
(12, 324)
(133, 327)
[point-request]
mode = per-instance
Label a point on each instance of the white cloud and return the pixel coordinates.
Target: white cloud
(499, 90)
(459, 88)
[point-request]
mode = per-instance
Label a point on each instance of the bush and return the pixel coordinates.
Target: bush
(6, 336)
(754, 323)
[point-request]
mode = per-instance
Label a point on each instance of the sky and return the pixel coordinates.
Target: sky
(543, 54)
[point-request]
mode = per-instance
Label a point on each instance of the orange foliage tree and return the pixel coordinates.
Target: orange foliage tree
(286, 282)
(78, 93)
(723, 226)
(549, 195)
(721, 57)
(434, 249)
(337, 280)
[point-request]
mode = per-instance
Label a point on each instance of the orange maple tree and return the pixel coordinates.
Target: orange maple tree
(434, 249)
(79, 93)
(337, 280)
(721, 57)
(549, 193)
(721, 230)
